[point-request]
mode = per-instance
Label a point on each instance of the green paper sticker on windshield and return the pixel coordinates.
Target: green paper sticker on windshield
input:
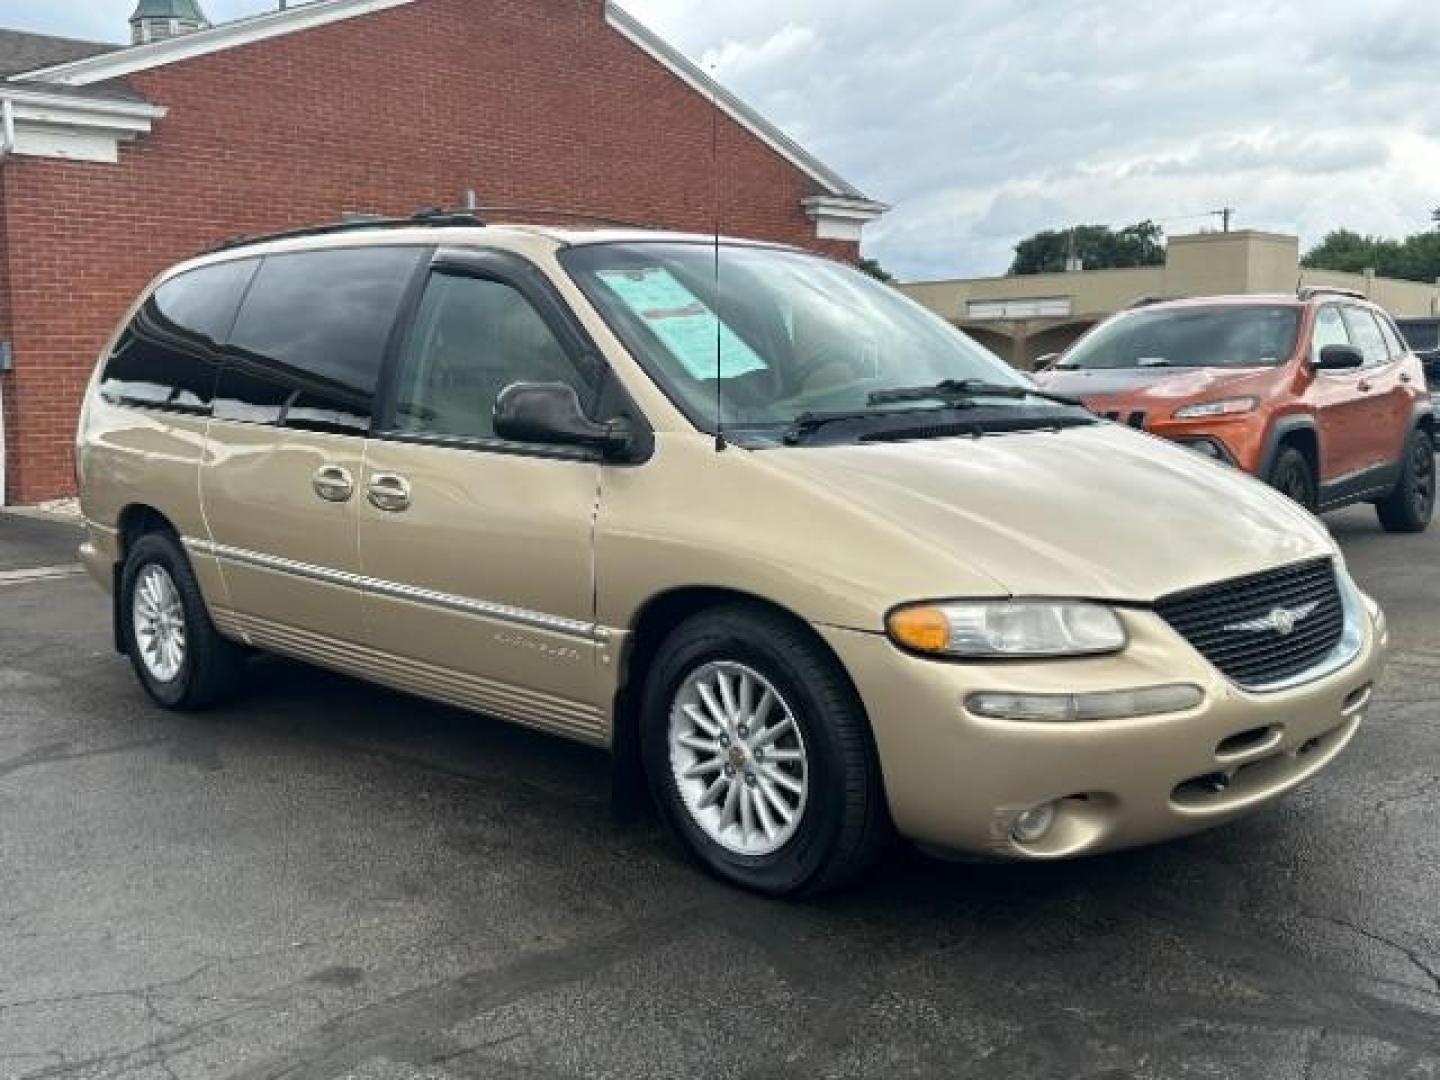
(684, 325)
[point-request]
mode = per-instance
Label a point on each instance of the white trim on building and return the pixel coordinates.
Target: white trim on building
(1038, 307)
(840, 217)
(273, 24)
(41, 124)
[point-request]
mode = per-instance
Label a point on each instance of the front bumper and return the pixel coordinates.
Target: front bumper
(957, 781)
(1237, 440)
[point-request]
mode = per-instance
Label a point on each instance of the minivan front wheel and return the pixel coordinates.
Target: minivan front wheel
(759, 753)
(180, 658)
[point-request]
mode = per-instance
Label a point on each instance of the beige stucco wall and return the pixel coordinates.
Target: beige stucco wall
(1403, 299)
(1203, 264)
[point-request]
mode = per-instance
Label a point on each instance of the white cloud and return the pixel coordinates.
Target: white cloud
(739, 60)
(988, 119)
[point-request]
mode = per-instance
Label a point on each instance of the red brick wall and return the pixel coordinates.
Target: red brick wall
(536, 102)
(7, 389)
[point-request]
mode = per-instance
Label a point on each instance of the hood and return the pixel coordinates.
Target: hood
(1098, 511)
(1158, 387)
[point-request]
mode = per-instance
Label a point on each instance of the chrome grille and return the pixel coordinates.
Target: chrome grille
(1234, 624)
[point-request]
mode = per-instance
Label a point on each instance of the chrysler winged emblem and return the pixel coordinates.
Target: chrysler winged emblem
(1281, 621)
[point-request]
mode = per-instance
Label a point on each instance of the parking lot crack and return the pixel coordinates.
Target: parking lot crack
(54, 753)
(1416, 960)
(345, 1041)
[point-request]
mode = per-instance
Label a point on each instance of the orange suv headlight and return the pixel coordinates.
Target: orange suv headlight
(1224, 407)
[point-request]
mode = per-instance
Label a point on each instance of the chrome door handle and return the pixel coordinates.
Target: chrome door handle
(333, 484)
(388, 492)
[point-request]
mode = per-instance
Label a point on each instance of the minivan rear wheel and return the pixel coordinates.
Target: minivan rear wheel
(1291, 475)
(1410, 506)
(180, 658)
(759, 753)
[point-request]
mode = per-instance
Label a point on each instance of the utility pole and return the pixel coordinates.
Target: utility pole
(1225, 213)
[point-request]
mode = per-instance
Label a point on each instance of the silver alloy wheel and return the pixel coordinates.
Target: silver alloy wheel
(158, 618)
(739, 758)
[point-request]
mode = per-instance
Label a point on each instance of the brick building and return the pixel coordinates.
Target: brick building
(119, 161)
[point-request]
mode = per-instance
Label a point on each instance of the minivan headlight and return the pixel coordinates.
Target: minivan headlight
(1007, 628)
(1225, 407)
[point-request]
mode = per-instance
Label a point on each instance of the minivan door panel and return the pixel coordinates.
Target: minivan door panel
(478, 553)
(484, 584)
(285, 552)
(293, 405)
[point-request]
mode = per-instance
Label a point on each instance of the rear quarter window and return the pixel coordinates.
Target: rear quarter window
(169, 354)
(311, 336)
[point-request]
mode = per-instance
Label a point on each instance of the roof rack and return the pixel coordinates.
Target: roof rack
(565, 215)
(1309, 292)
(430, 217)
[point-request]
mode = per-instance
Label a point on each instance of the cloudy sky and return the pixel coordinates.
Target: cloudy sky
(985, 120)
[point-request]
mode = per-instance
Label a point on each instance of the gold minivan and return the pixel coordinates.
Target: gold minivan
(807, 558)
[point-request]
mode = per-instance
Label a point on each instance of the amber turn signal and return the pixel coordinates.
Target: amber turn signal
(924, 629)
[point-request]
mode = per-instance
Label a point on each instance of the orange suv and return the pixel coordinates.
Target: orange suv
(1315, 393)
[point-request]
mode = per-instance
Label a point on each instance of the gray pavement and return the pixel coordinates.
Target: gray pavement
(30, 542)
(330, 880)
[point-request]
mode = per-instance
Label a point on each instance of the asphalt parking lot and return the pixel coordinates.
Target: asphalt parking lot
(329, 880)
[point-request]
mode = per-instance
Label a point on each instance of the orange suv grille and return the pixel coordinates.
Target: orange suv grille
(1263, 628)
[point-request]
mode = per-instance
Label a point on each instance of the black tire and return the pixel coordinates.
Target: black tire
(210, 669)
(1292, 475)
(844, 824)
(1410, 506)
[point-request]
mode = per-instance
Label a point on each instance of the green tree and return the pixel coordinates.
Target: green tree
(875, 270)
(1349, 252)
(1098, 247)
(1415, 257)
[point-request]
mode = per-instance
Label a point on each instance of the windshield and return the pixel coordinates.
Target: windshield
(795, 335)
(1248, 336)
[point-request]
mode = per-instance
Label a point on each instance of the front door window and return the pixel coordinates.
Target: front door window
(472, 338)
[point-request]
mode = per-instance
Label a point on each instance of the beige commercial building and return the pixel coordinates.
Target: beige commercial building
(1024, 317)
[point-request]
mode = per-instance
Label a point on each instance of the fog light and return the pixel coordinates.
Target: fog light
(1030, 826)
(1105, 705)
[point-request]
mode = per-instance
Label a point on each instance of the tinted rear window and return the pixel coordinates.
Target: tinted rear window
(169, 354)
(1250, 336)
(1421, 333)
(307, 347)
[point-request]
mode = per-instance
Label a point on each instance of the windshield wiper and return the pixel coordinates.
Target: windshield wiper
(955, 391)
(808, 422)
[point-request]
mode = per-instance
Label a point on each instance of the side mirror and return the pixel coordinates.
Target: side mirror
(1340, 358)
(550, 414)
